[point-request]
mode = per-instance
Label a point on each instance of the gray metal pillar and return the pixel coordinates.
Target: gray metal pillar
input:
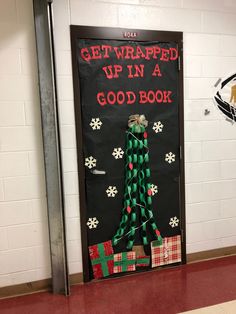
(51, 142)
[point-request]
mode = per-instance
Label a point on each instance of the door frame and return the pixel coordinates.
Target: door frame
(43, 18)
(92, 32)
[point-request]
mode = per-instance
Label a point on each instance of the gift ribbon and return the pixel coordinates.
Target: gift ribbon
(102, 259)
(125, 262)
(157, 242)
(166, 248)
(144, 260)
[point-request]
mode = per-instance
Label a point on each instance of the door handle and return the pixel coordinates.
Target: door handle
(99, 172)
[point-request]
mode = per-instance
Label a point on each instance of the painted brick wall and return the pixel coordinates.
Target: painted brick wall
(24, 253)
(209, 28)
(209, 52)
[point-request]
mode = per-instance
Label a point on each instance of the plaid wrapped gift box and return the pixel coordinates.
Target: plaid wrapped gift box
(143, 261)
(168, 252)
(124, 261)
(101, 256)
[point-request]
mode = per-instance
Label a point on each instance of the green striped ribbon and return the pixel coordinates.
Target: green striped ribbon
(157, 242)
(125, 262)
(102, 259)
(144, 260)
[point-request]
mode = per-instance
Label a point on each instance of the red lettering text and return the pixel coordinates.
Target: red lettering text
(101, 99)
(106, 49)
(138, 70)
(164, 55)
(131, 97)
(156, 71)
(85, 54)
(173, 54)
(112, 71)
(96, 54)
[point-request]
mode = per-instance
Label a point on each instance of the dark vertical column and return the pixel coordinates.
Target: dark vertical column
(51, 142)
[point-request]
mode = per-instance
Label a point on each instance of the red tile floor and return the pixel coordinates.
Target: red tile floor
(171, 290)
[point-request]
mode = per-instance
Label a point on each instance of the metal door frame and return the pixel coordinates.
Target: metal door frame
(51, 145)
(91, 32)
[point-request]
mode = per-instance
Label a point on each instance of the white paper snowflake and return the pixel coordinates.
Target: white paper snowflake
(170, 157)
(174, 222)
(90, 162)
(96, 124)
(92, 223)
(111, 191)
(157, 127)
(118, 153)
(154, 189)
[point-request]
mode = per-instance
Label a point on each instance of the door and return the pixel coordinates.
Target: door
(129, 121)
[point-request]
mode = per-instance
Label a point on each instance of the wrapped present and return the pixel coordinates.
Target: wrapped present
(143, 261)
(124, 261)
(168, 252)
(101, 256)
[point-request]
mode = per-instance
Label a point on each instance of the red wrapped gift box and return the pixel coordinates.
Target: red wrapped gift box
(101, 256)
(168, 252)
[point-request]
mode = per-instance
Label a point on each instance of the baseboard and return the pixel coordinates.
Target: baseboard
(25, 288)
(211, 254)
(35, 286)
(45, 284)
(76, 278)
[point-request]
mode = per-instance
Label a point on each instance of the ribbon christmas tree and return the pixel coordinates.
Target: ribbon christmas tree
(137, 207)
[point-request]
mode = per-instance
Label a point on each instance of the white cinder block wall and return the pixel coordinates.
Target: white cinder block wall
(24, 253)
(209, 28)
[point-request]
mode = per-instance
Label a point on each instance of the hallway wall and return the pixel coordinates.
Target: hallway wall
(210, 142)
(209, 28)
(24, 252)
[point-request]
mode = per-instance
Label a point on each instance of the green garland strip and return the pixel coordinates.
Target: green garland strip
(137, 194)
